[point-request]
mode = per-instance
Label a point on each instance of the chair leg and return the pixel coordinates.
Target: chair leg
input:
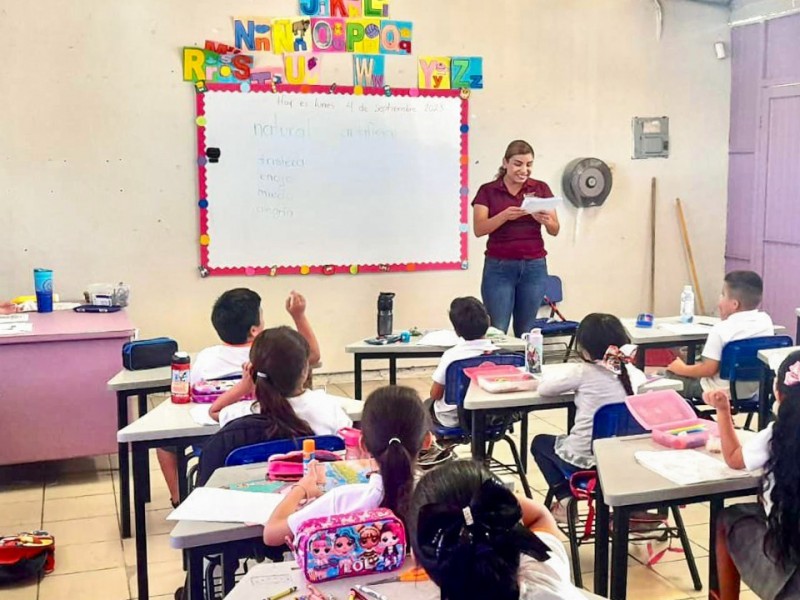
(572, 518)
(490, 450)
(548, 499)
(569, 347)
(520, 471)
(749, 421)
(687, 548)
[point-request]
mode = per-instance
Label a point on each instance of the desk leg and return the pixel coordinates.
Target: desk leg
(601, 545)
(523, 439)
(619, 554)
(392, 371)
(183, 483)
(146, 480)
(230, 561)
(357, 376)
(140, 467)
(691, 352)
(478, 435)
(717, 505)
(764, 392)
(195, 574)
(124, 468)
(639, 358)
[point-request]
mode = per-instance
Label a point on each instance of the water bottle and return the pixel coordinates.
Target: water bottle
(385, 313)
(179, 388)
(687, 304)
(534, 347)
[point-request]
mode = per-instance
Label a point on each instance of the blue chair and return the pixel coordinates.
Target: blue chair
(611, 420)
(740, 362)
(556, 325)
(455, 389)
(256, 453)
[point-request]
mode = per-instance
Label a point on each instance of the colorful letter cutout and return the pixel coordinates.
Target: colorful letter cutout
(466, 72)
(252, 33)
(369, 70)
(434, 73)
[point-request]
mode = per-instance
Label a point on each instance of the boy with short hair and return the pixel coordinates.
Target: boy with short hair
(237, 319)
(470, 321)
(741, 319)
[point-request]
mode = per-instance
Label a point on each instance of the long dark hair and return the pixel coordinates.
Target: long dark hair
(280, 359)
(782, 472)
(474, 557)
(514, 148)
(393, 427)
(596, 333)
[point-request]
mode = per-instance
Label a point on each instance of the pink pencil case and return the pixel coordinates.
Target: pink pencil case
(289, 467)
(670, 418)
(205, 392)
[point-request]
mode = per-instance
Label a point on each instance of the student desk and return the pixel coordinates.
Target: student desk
(169, 425)
(483, 403)
(627, 486)
(772, 360)
(650, 338)
(52, 385)
(253, 584)
(362, 351)
(127, 384)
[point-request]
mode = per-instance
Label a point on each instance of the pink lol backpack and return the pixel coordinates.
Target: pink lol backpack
(358, 543)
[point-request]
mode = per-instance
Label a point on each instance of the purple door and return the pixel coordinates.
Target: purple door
(779, 182)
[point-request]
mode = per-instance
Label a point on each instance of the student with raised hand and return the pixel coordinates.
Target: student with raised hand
(476, 539)
(395, 428)
(759, 543)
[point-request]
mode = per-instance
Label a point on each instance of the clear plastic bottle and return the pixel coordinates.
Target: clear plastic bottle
(687, 304)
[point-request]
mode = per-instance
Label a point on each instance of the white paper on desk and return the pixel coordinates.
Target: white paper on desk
(686, 467)
(219, 505)
(443, 337)
(199, 414)
(12, 328)
(532, 204)
(686, 328)
(15, 318)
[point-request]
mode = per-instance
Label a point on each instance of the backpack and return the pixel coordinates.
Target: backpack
(26, 555)
(364, 542)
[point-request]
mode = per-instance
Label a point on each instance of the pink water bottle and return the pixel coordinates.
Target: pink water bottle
(352, 443)
(181, 364)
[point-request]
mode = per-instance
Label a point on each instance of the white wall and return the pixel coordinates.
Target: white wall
(98, 168)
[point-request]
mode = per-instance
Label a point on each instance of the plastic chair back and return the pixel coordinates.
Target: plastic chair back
(456, 382)
(615, 420)
(740, 360)
(553, 290)
(261, 452)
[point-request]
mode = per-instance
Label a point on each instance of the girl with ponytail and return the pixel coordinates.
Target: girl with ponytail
(395, 427)
(759, 543)
(477, 540)
(606, 376)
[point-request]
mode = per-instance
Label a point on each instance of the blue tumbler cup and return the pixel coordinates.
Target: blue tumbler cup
(43, 280)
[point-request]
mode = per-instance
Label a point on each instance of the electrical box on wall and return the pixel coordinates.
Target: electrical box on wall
(650, 137)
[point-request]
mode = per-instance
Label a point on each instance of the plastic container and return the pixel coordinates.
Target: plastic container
(352, 443)
(512, 382)
(664, 413)
(489, 368)
(179, 388)
(309, 448)
(687, 304)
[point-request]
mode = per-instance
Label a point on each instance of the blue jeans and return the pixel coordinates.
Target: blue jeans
(513, 287)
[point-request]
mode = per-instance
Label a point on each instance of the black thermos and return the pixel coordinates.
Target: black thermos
(385, 314)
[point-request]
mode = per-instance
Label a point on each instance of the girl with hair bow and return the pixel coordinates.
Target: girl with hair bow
(475, 539)
(606, 376)
(759, 543)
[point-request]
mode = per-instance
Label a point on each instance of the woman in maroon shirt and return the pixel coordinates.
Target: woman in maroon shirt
(515, 268)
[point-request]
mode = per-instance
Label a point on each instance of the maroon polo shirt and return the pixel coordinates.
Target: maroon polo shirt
(513, 240)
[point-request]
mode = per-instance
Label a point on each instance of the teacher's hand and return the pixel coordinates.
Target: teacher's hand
(545, 217)
(512, 213)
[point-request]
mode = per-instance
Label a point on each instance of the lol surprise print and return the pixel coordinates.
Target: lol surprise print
(319, 559)
(370, 538)
(345, 545)
(391, 534)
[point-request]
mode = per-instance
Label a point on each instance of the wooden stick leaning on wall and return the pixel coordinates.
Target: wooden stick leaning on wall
(653, 246)
(688, 247)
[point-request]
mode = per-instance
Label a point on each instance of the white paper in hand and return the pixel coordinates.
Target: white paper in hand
(532, 204)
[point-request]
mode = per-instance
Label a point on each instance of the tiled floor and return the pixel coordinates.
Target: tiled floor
(77, 501)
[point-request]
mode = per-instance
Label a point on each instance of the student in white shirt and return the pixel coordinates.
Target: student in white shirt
(475, 539)
(395, 428)
(276, 375)
(605, 377)
(741, 319)
(470, 321)
(760, 543)
(237, 318)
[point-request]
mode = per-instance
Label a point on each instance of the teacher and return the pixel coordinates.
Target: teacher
(515, 268)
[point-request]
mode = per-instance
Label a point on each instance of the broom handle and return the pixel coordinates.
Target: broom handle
(688, 245)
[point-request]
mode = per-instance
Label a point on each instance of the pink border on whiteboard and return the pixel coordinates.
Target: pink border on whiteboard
(273, 270)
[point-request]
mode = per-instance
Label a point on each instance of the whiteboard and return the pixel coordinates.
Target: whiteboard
(321, 182)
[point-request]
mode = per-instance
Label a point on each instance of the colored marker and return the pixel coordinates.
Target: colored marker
(283, 594)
